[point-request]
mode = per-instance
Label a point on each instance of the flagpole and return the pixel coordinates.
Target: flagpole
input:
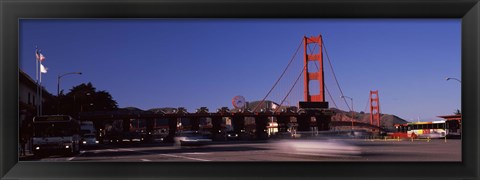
(36, 78)
(36, 63)
(41, 90)
(43, 69)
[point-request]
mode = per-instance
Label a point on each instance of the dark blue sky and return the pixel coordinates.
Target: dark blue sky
(206, 62)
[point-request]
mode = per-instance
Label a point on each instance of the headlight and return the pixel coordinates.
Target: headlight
(66, 147)
(37, 148)
(84, 142)
(96, 142)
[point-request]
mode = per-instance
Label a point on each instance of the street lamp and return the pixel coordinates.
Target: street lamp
(58, 87)
(353, 115)
(60, 76)
(448, 78)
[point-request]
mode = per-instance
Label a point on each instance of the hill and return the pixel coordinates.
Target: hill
(386, 120)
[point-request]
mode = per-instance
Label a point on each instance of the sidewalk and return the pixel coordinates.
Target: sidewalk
(28, 156)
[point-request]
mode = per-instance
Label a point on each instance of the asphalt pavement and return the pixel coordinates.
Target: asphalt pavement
(370, 151)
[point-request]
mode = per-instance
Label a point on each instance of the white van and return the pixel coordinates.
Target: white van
(86, 127)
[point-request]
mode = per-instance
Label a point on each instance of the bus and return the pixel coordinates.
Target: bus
(433, 129)
(56, 134)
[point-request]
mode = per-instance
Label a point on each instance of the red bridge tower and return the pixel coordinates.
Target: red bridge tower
(316, 75)
(374, 108)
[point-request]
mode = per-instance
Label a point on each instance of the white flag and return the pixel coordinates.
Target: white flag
(43, 69)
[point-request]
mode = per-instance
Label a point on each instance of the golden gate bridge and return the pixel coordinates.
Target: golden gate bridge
(312, 113)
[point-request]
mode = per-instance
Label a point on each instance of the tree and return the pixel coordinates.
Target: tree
(85, 98)
(104, 101)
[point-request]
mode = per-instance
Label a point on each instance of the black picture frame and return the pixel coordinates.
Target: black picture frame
(11, 11)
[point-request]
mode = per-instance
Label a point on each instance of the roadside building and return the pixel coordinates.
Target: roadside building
(27, 105)
(28, 99)
(454, 123)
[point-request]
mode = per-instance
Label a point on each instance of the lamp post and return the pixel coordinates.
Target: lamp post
(353, 115)
(448, 78)
(60, 76)
(58, 87)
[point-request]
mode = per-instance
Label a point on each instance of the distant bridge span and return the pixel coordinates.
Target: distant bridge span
(356, 124)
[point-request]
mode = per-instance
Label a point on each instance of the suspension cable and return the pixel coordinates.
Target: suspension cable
(283, 73)
(366, 105)
(300, 75)
(335, 77)
(295, 83)
(328, 92)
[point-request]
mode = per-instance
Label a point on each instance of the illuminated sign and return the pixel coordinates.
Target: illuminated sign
(51, 118)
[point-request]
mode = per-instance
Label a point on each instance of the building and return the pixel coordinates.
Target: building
(28, 99)
(454, 122)
(27, 107)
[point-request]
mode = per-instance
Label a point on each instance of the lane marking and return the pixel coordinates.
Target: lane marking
(196, 153)
(169, 155)
(145, 160)
(81, 152)
(184, 157)
(131, 150)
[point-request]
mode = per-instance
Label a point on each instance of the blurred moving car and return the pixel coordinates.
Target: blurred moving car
(89, 140)
(191, 138)
(317, 147)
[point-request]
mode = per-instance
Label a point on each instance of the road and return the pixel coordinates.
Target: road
(371, 151)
